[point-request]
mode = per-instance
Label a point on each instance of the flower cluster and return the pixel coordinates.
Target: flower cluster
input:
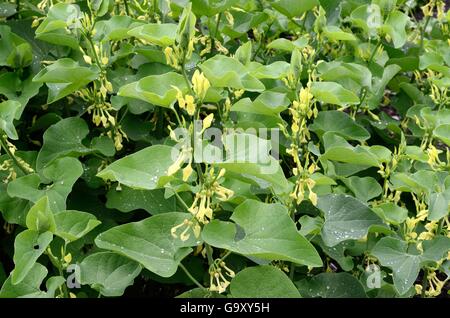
(218, 282)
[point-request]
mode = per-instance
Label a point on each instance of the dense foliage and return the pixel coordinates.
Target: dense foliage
(103, 105)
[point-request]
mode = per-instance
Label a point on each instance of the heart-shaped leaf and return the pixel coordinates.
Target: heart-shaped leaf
(143, 169)
(346, 218)
(150, 243)
(109, 273)
(262, 282)
(28, 246)
(64, 77)
(258, 231)
(156, 89)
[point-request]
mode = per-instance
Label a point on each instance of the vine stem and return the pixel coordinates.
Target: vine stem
(374, 52)
(422, 32)
(424, 282)
(10, 154)
(192, 278)
(180, 199)
(186, 79)
(216, 31)
(127, 9)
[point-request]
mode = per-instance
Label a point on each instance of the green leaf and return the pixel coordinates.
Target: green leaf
(162, 34)
(56, 27)
(14, 210)
(28, 246)
(150, 242)
(7, 9)
(108, 273)
(349, 75)
(15, 52)
(262, 282)
(276, 70)
(443, 133)
(155, 89)
(248, 159)
(394, 26)
(333, 93)
(63, 139)
(392, 213)
(335, 33)
(152, 201)
(64, 77)
(200, 293)
(262, 230)
(393, 253)
(339, 253)
(294, 8)
(210, 8)
(435, 250)
(29, 285)
(116, 28)
(8, 111)
(72, 225)
(364, 188)
(331, 285)
(346, 218)
(339, 123)
(367, 17)
(40, 218)
(439, 205)
(17, 90)
(286, 45)
(223, 71)
(337, 149)
(143, 170)
(267, 103)
(58, 179)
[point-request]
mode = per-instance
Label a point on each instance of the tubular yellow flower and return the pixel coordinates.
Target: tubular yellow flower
(208, 121)
(190, 104)
(187, 172)
(200, 84)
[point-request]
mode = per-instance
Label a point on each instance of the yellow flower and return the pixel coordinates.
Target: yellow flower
(68, 258)
(180, 98)
(182, 157)
(305, 96)
(87, 59)
(433, 155)
(187, 172)
(190, 105)
(170, 57)
(294, 127)
(200, 84)
(208, 121)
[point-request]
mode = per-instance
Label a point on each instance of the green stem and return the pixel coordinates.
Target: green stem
(186, 79)
(440, 225)
(228, 253)
(291, 271)
(422, 32)
(180, 199)
(424, 282)
(209, 254)
(127, 10)
(374, 52)
(192, 277)
(57, 263)
(10, 154)
(177, 117)
(216, 31)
